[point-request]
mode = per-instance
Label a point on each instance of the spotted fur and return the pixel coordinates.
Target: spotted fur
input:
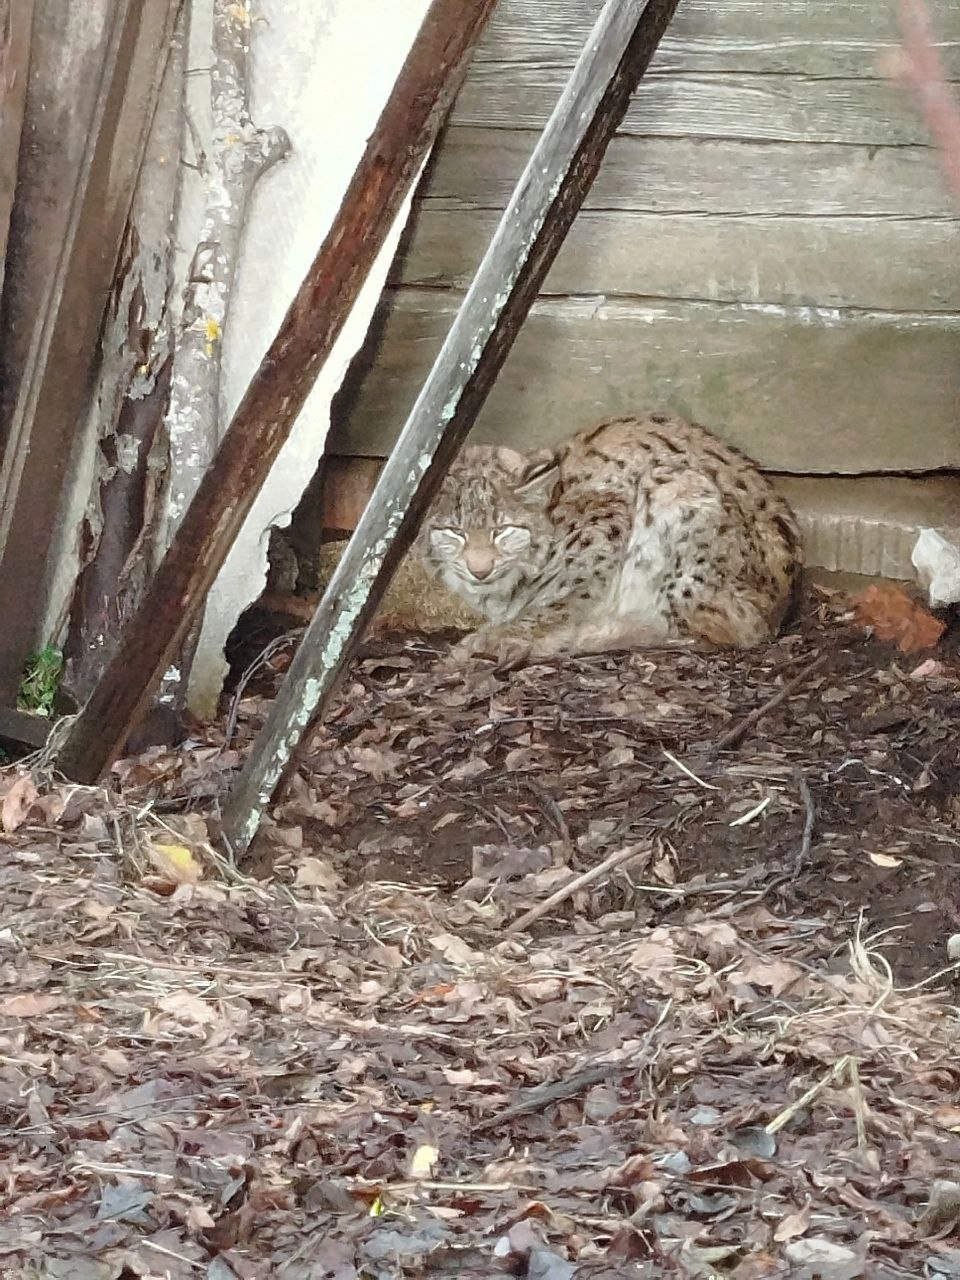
(638, 531)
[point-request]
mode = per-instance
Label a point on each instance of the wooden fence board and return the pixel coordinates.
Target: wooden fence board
(478, 167)
(16, 23)
(91, 97)
(819, 38)
(779, 108)
(800, 390)
(874, 263)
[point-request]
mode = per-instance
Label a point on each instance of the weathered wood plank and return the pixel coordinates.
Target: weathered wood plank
(89, 106)
(394, 154)
(541, 210)
(784, 108)
(800, 390)
(477, 168)
(900, 264)
(828, 38)
(16, 24)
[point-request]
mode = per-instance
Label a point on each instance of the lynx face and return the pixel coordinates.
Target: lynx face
(489, 530)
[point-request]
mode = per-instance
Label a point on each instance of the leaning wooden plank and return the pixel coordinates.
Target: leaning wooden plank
(16, 22)
(557, 177)
(53, 381)
(405, 132)
(842, 38)
(799, 388)
(873, 264)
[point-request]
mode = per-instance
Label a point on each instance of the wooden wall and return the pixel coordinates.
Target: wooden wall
(769, 248)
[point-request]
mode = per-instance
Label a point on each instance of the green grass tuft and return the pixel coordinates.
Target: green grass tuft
(41, 681)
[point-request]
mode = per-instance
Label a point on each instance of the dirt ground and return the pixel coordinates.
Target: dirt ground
(733, 1053)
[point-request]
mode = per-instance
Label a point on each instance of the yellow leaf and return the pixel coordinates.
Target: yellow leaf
(424, 1158)
(376, 1209)
(240, 13)
(175, 861)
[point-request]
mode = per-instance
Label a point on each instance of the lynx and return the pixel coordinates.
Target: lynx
(640, 531)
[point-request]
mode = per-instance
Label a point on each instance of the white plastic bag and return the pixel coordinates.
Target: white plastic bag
(937, 563)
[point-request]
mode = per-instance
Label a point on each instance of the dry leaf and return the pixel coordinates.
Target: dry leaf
(455, 950)
(885, 860)
(187, 1008)
(18, 802)
(317, 873)
(29, 1005)
(424, 1158)
(793, 1225)
(893, 616)
(778, 975)
(175, 862)
(946, 1116)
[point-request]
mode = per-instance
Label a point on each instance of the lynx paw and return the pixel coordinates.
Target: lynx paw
(507, 651)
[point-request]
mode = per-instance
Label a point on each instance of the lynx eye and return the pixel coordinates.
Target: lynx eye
(448, 541)
(512, 538)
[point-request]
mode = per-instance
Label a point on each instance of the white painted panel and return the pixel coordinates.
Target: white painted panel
(323, 71)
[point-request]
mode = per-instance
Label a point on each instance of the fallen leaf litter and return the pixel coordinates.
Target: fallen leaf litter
(733, 1053)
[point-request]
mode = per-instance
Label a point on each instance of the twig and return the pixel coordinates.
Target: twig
(259, 662)
(707, 786)
(810, 815)
(785, 1116)
(918, 69)
(555, 1090)
(733, 736)
(859, 1103)
(799, 859)
(616, 859)
(551, 809)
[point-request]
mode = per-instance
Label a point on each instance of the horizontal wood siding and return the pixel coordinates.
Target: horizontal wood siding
(770, 246)
(799, 390)
(786, 261)
(809, 37)
(781, 108)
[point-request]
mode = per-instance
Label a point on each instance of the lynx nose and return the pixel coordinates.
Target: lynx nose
(480, 561)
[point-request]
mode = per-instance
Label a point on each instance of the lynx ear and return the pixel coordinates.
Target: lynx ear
(538, 477)
(511, 460)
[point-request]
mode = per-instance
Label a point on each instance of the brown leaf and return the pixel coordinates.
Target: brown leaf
(894, 617)
(18, 802)
(29, 1005)
(793, 1225)
(778, 975)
